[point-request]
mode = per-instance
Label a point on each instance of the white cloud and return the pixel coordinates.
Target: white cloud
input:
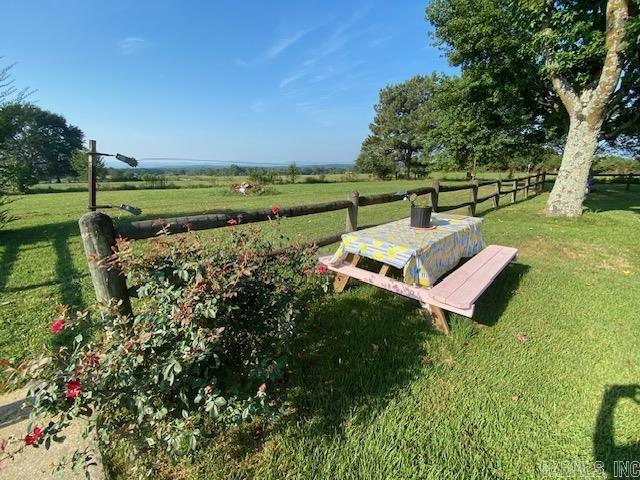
(332, 46)
(276, 48)
(130, 45)
(379, 41)
(294, 76)
(282, 44)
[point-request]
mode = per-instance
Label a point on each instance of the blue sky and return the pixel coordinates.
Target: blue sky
(249, 81)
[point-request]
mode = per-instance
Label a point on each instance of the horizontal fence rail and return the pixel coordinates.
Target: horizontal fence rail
(99, 234)
(151, 228)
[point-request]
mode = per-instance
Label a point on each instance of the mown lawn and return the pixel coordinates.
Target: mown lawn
(550, 372)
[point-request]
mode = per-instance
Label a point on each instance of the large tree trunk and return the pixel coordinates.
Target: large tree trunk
(586, 112)
(568, 191)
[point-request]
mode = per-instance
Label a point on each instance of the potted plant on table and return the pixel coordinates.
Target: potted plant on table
(420, 210)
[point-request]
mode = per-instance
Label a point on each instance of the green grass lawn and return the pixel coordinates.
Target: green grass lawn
(550, 373)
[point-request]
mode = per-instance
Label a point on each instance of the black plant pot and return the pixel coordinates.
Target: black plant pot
(420, 217)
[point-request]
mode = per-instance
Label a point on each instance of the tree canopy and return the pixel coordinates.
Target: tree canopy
(399, 126)
(35, 144)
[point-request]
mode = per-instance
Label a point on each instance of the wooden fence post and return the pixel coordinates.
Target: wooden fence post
(473, 197)
(434, 196)
(515, 191)
(98, 238)
(527, 184)
(351, 224)
(629, 178)
(496, 198)
(91, 175)
(544, 179)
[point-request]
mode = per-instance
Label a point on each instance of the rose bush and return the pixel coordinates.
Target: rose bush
(207, 345)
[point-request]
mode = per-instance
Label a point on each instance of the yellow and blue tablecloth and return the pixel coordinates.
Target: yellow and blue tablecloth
(423, 255)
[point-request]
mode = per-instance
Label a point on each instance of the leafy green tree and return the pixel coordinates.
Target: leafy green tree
(372, 159)
(293, 171)
(79, 164)
(9, 93)
(469, 128)
(547, 56)
(397, 130)
(35, 144)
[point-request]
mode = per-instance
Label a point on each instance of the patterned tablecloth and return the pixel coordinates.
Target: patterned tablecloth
(423, 255)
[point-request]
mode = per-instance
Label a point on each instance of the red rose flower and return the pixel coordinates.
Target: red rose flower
(32, 438)
(57, 326)
(322, 268)
(276, 210)
(262, 390)
(232, 222)
(73, 389)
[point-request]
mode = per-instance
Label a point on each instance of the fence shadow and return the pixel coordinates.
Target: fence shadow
(58, 235)
(605, 449)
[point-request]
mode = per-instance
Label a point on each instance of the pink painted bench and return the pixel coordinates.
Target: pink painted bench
(456, 293)
(462, 287)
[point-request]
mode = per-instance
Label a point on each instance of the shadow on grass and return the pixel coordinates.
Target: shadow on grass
(66, 274)
(362, 347)
(7, 262)
(613, 199)
(493, 302)
(605, 449)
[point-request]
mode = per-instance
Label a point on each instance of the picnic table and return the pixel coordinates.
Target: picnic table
(424, 255)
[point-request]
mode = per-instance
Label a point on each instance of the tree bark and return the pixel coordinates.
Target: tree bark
(586, 113)
(567, 195)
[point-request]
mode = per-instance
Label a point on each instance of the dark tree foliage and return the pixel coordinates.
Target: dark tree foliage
(35, 144)
(397, 130)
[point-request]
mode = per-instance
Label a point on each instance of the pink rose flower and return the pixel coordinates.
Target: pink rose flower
(32, 438)
(57, 326)
(73, 389)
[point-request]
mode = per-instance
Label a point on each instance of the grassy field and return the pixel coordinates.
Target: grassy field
(42, 262)
(222, 182)
(550, 373)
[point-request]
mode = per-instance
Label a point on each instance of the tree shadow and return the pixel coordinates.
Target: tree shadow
(358, 350)
(613, 199)
(605, 449)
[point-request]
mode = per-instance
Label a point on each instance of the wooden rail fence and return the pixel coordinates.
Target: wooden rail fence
(99, 233)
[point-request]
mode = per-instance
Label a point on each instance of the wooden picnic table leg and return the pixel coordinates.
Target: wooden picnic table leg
(340, 282)
(438, 317)
(384, 269)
